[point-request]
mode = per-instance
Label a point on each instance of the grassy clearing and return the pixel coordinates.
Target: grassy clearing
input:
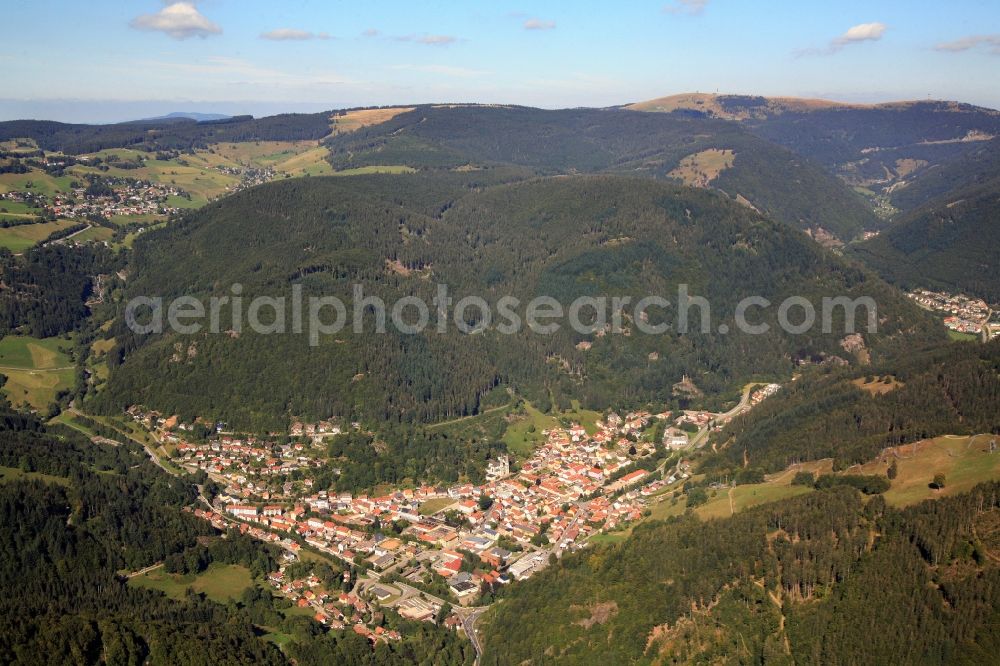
(94, 233)
(524, 434)
(726, 503)
(10, 474)
(24, 351)
(21, 237)
(965, 461)
(147, 218)
(309, 163)
(220, 582)
(35, 181)
(436, 504)
(66, 419)
(101, 347)
(36, 369)
(700, 169)
(18, 208)
(878, 385)
(35, 389)
(608, 539)
(958, 336)
(365, 170)
(354, 120)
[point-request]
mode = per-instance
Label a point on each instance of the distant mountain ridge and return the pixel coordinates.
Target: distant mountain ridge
(877, 148)
(743, 107)
(189, 115)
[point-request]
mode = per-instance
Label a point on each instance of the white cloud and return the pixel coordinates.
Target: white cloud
(685, 7)
(863, 32)
(430, 40)
(370, 32)
(991, 42)
(291, 34)
(538, 24)
(179, 20)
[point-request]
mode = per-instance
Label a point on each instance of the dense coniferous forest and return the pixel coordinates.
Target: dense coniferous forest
(608, 140)
(843, 138)
(396, 236)
(166, 134)
(952, 389)
(951, 244)
(46, 289)
(978, 165)
(825, 578)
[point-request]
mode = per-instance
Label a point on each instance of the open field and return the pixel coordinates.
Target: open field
(878, 385)
(17, 208)
(958, 336)
(21, 237)
(524, 433)
(361, 171)
(35, 181)
(700, 169)
(965, 461)
(262, 153)
(436, 504)
(94, 233)
(309, 163)
(220, 582)
(23, 351)
(66, 419)
(353, 120)
(36, 369)
(36, 388)
(8, 474)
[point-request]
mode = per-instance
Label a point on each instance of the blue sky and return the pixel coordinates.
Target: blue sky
(102, 61)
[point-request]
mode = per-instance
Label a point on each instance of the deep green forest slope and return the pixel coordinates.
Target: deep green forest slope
(951, 243)
(402, 235)
(824, 578)
(784, 186)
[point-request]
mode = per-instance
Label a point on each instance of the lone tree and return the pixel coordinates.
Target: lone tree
(893, 471)
(938, 481)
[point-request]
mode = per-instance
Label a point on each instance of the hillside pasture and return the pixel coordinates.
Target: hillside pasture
(700, 169)
(20, 238)
(219, 582)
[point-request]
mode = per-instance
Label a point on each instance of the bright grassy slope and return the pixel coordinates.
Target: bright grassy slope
(524, 433)
(10, 474)
(965, 461)
(36, 369)
(220, 582)
(20, 238)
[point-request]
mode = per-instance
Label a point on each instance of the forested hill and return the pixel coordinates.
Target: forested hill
(825, 578)
(905, 151)
(166, 134)
(782, 185)
(480, 235)
(81, 513)
(978, 165)
(951, 243)
(835, 413)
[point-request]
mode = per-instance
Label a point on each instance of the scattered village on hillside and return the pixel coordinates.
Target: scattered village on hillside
(417, 549)
(964, 313)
